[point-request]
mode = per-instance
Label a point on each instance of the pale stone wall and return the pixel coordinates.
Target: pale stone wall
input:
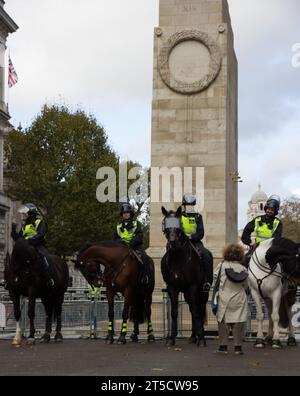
(200, 129)
(7, 26)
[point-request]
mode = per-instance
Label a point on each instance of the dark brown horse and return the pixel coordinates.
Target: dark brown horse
(24, 277)
(121, 274)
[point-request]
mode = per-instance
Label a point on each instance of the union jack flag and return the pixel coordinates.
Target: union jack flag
(12, 74)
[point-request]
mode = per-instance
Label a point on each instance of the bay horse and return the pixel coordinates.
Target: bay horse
(183, 271)
(24, 277)
(274, 264)
(121, 274)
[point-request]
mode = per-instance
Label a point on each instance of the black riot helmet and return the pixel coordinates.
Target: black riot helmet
(126, 208)
(273, 203)
(189, 199)
(29, 209)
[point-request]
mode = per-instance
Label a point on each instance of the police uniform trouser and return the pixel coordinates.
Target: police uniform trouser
(207, 261)
(145, 266)
(45, 260)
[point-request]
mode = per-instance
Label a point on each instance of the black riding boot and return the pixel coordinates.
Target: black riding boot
(145, 277)
(208, 270)
(46, 266)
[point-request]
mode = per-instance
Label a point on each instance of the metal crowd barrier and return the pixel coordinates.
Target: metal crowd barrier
(84, 318)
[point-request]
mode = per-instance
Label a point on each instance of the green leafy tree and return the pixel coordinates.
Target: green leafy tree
(53, 164)
(290, 213)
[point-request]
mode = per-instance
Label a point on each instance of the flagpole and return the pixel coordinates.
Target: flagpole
(7, 87)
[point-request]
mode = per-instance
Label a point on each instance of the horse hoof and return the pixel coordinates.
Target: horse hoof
(109, 340)
(192, 340)
(151, 338)
(200, 341)
(58, 337)
(170, 342)
(292, 341)
(134, 337)
(269, 341)
(30, 341)
(16, 342)
(121, 341)
(259, 343)
(276, 344)
(45, 339)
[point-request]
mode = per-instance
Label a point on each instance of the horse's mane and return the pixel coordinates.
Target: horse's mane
(21, 245)
(286, 245)
(110, 244)
(281, 249)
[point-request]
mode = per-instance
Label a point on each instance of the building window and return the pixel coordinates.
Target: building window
(261, 206)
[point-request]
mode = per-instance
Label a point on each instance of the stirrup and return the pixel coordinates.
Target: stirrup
(50, 283)
(206, 287)
(145, 280)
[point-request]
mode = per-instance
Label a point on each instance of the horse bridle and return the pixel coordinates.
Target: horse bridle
(264, 269)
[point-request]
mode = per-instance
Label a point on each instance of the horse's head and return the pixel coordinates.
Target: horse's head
(89, 267)
(23, 256)
(172, 226)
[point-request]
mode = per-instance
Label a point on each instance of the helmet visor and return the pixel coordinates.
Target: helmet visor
(23, 210)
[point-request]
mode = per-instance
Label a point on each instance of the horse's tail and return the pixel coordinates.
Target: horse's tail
(138, 308)
(287, 301)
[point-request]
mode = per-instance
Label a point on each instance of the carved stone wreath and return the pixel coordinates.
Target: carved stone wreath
(214, 65)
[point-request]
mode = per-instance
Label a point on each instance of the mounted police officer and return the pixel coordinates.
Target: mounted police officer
(129, 231)
(34, 230)
(265, 227)
(193, 228)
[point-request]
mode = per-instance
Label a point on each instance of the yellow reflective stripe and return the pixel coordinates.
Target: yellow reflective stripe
(110, 326)
(124, 328)
(189, 225)
(126, 235)
(263, 232)
(30, 230)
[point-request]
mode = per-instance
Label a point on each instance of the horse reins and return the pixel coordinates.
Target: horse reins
(119, 269)
(262, 268)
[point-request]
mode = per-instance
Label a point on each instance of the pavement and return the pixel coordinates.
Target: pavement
(95, 358)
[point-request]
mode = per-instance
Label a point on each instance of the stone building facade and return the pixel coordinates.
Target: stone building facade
(7, 208)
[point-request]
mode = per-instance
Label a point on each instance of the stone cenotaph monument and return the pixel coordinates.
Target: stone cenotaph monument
(194, 118)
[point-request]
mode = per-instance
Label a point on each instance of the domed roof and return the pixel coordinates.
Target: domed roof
(259, 196)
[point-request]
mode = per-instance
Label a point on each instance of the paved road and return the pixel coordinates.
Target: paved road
(95, 358)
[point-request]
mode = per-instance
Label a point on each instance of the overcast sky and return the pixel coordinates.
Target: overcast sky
(98, 54)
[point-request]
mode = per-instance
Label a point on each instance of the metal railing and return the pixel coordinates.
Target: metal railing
(83, 317)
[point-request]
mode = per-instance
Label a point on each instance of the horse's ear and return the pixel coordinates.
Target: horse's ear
(179, 212)
(164, 211)
(78, 264)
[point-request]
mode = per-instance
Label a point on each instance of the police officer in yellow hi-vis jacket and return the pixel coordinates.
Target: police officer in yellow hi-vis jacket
(34, 230)
(193, 228)
(265, 227)
(129, 231)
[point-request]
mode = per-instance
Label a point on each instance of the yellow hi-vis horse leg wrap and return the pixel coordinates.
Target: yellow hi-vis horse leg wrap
(110, 326)
(124, 328)
(150, 327)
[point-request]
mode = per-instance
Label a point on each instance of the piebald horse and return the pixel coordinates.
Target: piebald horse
(272, 265)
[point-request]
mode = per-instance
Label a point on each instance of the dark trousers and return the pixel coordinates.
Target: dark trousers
(208, 261)
(140, 250)
(237, 332)
(45, 260)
